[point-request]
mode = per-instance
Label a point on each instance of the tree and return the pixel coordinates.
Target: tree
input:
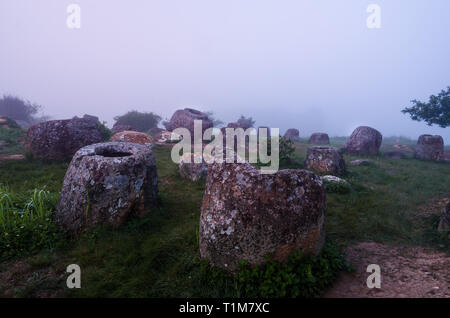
(216, 122)
(436, 111)
(140, 121)
(245, 122)
(18, 109)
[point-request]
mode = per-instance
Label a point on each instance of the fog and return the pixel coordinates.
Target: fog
(312, 65)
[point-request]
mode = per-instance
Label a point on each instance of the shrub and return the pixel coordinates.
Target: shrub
(245, 123)
(303, 276)
(140, 121)
(104, 131)
(18, 109)
(337, 187)
(25, 222)
(11, 137)
(287, 150)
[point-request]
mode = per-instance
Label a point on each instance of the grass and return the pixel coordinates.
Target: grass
(11, 140)
(158, 256)
(25, 222)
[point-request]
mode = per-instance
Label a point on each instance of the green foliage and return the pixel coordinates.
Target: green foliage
(337, 187)
(104, 131)
(304, 276)
(140, 121)
(11, 137)
(436, 111)
(287, 149)
(245, 122)
(25, 222)
(216, 122)
(18, 109)
(384, 206)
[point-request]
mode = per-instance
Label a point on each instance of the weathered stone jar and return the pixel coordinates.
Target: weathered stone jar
(246, 215)
(319, 139)
(325, 159)
(107, 183)
(364, 141)
(58, 140)
(292, 134)
(430, 148)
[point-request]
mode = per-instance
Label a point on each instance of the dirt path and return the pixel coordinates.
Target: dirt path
(405, 272)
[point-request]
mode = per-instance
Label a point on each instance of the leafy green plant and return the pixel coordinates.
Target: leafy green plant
(287, 150)
(11, 137)
(337, 187)
(304, 276)
(104, 131)
(25, 222)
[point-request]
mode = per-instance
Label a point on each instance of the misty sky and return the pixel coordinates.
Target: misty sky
(312, 65)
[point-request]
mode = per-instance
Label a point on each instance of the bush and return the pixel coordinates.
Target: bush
(140, 121)
(337, 187)
(245, 122)
(11, 137)
(287, 149)
(25, 222)
(104, 131)
(304, 276)
(18, 109)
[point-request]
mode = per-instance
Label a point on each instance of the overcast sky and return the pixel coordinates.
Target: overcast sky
(312, 65)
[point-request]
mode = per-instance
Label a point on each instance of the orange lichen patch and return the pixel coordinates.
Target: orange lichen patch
(132, 136)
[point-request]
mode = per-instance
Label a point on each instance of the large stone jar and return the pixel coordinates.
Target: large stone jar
(107, 183)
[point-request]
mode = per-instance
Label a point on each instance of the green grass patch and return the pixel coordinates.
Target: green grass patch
(158, 256)
(25, 222)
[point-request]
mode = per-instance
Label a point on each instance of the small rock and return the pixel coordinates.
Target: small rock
(334, 179)
(361, 162)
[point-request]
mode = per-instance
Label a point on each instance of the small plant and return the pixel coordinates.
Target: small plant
(337, 187)
(11, 137)
(104, 131)
(287, 150)
(25, 222)
(304, 276)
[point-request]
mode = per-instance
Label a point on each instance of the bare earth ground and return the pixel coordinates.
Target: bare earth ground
(405, 272)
